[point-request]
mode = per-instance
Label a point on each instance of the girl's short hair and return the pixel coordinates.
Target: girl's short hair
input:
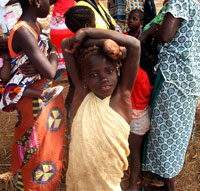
(78, 16)
(85, 53)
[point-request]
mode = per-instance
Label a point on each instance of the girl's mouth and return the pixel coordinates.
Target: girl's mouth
(105, 87)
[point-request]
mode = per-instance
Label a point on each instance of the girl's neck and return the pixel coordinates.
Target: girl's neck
(29, 16)
(134, 32)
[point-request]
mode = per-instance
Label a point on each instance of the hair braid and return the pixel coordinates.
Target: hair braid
(77, 17)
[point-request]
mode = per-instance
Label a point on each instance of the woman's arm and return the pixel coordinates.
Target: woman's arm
(168, 28)
(26, 42)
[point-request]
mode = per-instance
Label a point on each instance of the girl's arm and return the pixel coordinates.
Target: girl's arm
(130, 63)
(24, 41)
(80, 91)
(70, 61)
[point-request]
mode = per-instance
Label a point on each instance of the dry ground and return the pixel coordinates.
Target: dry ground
(187, 180)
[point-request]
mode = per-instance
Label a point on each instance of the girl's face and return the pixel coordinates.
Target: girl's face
(43, 11)
(134, 21)
(100, 76)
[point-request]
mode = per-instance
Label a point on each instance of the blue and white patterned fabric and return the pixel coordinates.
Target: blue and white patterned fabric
(179, 59)
(175, 105)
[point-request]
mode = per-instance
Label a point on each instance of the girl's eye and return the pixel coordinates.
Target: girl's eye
(110, 71)
(93, 75)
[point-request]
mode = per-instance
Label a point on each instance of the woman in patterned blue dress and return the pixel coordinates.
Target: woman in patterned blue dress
(175, 104)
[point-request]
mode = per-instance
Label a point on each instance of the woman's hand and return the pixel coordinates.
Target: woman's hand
(28, 69)
(149, 32)
(78, 39)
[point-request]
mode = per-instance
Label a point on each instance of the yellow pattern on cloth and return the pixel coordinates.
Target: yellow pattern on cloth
(99, 147)
(100, 23)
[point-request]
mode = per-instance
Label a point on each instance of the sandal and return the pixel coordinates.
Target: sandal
(49, 98)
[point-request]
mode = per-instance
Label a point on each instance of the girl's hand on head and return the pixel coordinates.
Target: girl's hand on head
(112, 49)
(78, 39)
(28, 69)
(123, 52)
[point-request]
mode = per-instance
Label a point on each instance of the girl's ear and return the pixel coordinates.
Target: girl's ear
(86, 25)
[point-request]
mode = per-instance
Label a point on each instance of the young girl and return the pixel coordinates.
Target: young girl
(101, 108)
(140, 123)
(140, 98)
(76, 17)
(11, 91)
(39, 134)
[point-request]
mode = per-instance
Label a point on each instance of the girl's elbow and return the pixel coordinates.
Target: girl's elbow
(164, 40)
(50, 75)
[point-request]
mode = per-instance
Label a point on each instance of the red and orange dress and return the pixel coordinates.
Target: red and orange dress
(37, 151)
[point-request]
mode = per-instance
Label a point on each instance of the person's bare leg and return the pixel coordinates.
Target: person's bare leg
(135, 144)
(169, 184)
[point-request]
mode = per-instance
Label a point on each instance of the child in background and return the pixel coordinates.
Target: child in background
(135, 23)
(101, 107)
(140, 98)
(140, 123)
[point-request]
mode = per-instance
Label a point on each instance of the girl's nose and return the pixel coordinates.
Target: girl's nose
(103, 78)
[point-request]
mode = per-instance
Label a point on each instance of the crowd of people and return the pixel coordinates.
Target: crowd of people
(133, 90)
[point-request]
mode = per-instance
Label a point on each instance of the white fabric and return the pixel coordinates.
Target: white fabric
(3, 3)
(9, 15)
(140, 123)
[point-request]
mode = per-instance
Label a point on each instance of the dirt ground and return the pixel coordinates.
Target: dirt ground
(187, 180)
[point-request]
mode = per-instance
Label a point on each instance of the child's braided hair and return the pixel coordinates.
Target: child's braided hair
(85, 53)
(78, 16)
